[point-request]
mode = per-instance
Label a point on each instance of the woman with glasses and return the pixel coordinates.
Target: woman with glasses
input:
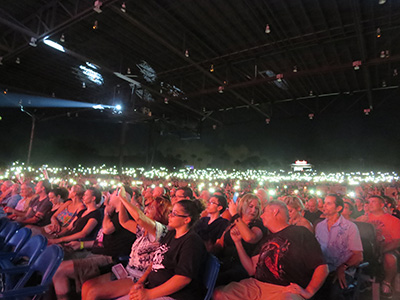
(178, 262)
(211, 228)
(246, 218)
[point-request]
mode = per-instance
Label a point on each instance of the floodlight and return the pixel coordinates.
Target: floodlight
(54, 45)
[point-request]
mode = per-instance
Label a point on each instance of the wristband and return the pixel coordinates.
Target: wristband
(82, 246)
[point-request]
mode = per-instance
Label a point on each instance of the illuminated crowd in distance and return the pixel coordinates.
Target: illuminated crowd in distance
(309, 182)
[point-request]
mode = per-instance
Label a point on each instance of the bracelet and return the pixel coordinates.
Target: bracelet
(82, 246)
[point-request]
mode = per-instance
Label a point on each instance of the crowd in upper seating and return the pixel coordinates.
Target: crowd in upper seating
(151, 243)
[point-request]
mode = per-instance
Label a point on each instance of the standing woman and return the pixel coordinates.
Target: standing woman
(177, 263)
(296, 209)
(246, 219)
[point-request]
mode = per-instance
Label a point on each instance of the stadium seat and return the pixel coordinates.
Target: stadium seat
(36, 279)
(210, 275)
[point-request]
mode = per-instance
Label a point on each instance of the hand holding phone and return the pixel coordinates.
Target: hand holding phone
(235, 197)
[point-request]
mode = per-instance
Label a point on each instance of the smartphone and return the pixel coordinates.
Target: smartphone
(119, 271)
(235, 197)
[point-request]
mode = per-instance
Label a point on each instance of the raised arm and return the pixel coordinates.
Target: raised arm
(249, 235)
(248, 263)
(124, 220)
(144, 221)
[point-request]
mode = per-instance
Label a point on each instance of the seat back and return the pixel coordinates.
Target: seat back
(31, 249)
(3, 222)
(44, 267)
(8, 231)
(210, 275)
(371, 249)
(17, 240)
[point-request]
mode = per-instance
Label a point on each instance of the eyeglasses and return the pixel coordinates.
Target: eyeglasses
(174, 214)
(215, 203)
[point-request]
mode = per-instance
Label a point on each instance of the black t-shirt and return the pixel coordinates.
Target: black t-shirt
(290, 255)
(211, 232)
(116, 244)
(184, 256)
(312, 216)
(81, 222)
(229, 255)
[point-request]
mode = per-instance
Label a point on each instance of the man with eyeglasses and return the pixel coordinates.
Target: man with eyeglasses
(210, 228)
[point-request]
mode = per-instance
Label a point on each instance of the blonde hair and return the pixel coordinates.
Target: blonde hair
(244, 204)
(294, 202)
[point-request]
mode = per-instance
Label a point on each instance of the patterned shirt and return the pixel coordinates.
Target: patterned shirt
(338, 243)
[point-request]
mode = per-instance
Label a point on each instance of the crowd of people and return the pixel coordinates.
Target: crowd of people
(153, 242)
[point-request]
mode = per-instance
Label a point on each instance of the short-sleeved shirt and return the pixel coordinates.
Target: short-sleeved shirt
(12, 201)
(312, 216)
(39, 206)
(338, 243)
(386, 225)
(115, 244)
(143, 249)
(81, 222)
(211, 232)
(289, 255)
(229, 255)
(185, 256)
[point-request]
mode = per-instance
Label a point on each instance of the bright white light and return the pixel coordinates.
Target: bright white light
(93, 66)
(211, 190)
(272, 192)
(54, 45)
(92, 75)
(319, 193)
(98, 106)
(118, 107)
(352, 194)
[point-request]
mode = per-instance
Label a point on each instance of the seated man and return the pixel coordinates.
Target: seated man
(38, 207)
(289, 263)
(388, 232)
(342, 248)
(28, 194)
(312, 213)
(211, 228)
(15, 196)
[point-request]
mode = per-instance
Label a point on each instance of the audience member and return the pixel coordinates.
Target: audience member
(388, 232)
(211, 228)
(181, 194)
(39, 206)
(312, 214)
(296, 208)
(112, 242)
(283, 267)
(341, 246)
(149, 227)
(15, 196)
(67, 211)
(178, 262)
(85, 223)
(246, 218)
